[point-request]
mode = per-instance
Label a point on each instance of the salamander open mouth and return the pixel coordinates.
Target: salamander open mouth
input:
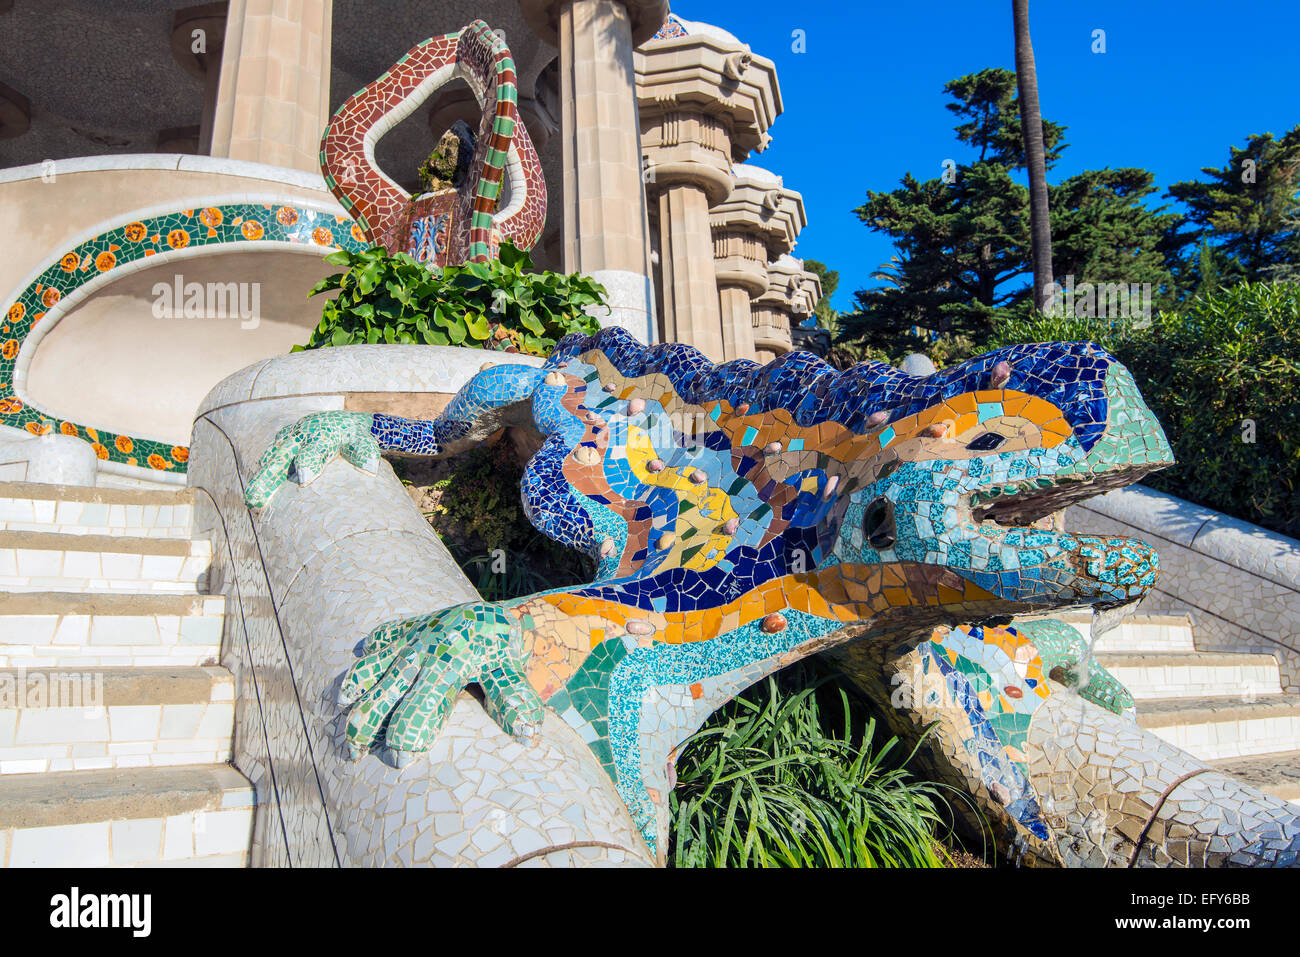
(1024, 519)
(1032, 502)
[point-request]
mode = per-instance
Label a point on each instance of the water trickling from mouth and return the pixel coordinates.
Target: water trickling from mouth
(1105, 618)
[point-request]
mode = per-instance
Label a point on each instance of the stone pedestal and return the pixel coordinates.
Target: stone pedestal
(273, 101)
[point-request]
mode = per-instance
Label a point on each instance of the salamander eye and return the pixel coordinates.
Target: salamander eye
(878, 524)
(986, 442)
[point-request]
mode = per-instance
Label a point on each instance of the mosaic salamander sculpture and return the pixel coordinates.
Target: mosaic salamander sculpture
(466, 221)
(745, 516)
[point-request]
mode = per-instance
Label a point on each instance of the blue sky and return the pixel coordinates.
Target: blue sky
(1178, 83)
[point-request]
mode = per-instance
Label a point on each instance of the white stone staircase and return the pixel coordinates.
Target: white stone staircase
(1227, 709)
(115, 719)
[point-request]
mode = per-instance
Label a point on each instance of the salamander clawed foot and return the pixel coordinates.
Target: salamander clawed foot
(405, 684)
(307, 446)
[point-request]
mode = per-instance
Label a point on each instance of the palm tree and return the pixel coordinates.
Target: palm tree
(1031, 122)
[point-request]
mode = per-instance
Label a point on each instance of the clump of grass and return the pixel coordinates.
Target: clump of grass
(789, 774)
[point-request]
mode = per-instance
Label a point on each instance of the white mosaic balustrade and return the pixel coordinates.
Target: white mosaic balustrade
(1200, 811)
(1239, 582)
(315, 572)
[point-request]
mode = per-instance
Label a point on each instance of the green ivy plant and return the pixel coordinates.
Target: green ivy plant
(500, 305)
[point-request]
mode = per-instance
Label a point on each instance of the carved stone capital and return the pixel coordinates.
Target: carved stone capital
(715, 77)
(760, 204)
(204, 25)
(685, 146)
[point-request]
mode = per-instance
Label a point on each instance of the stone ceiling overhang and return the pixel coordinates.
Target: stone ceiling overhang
(543, 16)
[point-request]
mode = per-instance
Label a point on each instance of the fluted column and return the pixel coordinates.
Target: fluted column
(704, 102)
(606, 230)
(759, 221)
(274, 94)
(690, 294)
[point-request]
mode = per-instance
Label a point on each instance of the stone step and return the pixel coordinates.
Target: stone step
(1216, 727)
(1278, 772)
(92, 718)
(1136, 634)
(57, 561)
(82, 510)
(196, 816)
(1230, 675)
(84, 630)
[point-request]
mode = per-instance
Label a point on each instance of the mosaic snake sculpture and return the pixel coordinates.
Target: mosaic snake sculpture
(745, 516)
(458, 226)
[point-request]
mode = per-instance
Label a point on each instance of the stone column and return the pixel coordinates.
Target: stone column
(273, 99)
(690, 293)
(606, 234)
(758, 222)
(810, 293)
(705, 102)
(198, 37)
(786, 301)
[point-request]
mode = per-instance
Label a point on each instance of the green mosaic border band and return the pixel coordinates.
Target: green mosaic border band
(250, 224)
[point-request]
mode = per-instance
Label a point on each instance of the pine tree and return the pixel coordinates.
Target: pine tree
(963, 241)
(1247, 207)
(1103, 231)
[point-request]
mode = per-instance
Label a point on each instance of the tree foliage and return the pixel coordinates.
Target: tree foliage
(962, 240)
(827, 316)
(1247, 208)
(1222, 374)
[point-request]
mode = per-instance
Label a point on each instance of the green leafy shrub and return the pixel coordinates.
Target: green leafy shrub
(500, 305)
(1222, 370)
(779, 778)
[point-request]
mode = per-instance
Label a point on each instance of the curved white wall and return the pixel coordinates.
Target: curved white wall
(102, 358)
(111, 363)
